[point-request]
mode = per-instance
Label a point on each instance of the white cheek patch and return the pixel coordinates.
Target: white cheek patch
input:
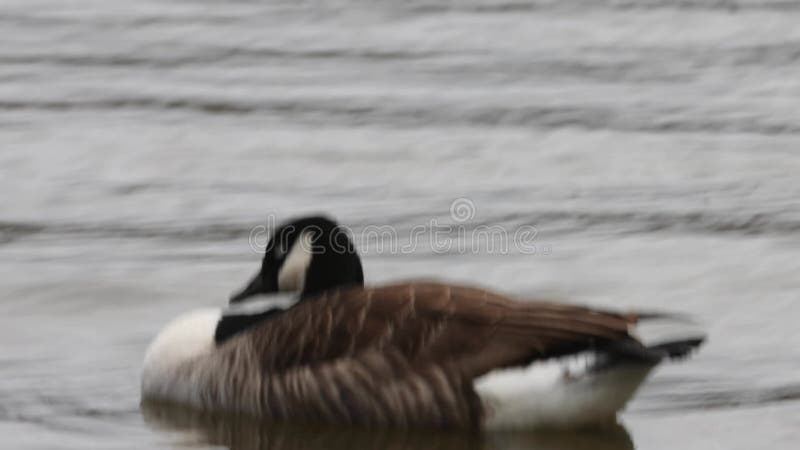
(292, 275)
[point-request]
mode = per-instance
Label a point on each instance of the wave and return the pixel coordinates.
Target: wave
(549, 223)
(685, 399)
(215, 56)
(341, 112)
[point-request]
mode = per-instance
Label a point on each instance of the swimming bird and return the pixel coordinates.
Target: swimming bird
(306, 341)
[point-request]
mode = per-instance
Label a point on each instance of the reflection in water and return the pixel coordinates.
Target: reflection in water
(241, 432)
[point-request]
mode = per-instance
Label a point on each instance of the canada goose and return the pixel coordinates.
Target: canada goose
(418, 354)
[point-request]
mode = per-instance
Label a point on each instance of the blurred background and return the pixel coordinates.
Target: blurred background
(652, 143)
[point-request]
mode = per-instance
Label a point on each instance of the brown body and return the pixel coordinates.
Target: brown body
(401, 355)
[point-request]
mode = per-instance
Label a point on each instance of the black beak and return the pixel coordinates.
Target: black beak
(255, 287)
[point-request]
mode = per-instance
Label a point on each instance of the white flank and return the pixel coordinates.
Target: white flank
(188, 337)
(561, 393)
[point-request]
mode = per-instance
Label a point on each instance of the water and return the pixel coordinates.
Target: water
(653, 144)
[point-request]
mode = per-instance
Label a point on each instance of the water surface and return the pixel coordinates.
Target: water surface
(653, 144)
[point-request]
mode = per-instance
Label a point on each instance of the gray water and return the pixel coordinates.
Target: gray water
(653, 144)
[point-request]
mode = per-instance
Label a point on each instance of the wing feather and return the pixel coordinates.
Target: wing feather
(401, 355)
(470, 329)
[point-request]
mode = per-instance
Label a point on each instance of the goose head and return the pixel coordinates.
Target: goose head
(307, 255)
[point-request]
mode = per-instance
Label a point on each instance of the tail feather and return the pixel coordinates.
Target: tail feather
(587, 388)
(678, 349)
(658, 337)
(668, 335)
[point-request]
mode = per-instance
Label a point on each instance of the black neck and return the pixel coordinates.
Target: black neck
(328, 270)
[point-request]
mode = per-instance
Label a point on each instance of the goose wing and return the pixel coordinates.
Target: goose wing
(468, 329)
(402, 355)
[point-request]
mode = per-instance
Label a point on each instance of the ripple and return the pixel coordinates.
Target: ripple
(689, 399)
(554, 222)
(343, 112)
(214, 56)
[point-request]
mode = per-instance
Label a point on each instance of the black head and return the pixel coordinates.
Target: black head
(306, 255)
